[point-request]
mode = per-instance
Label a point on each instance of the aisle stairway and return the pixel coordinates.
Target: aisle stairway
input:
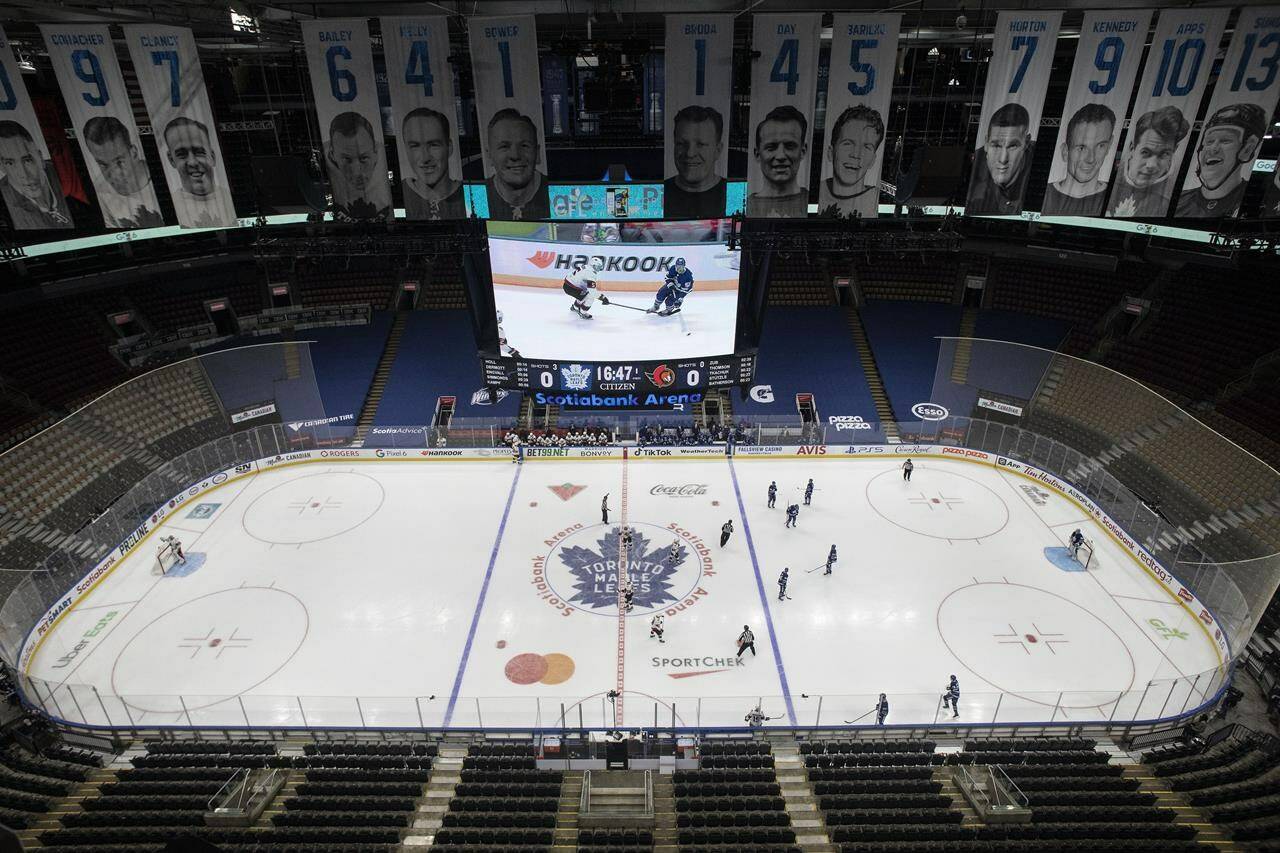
(369, 411)
(884, 411)
(964, 347)
(1184, 813)
(665, 835)
(798, 797)
(446, 773)
(567, 813)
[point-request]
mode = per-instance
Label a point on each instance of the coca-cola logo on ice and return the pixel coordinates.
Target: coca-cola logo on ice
(688, 490)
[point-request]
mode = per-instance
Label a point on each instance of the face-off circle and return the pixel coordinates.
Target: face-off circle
(583, 568)
(938, 503)
(210, 649)
(1028, 642)
(313, 507)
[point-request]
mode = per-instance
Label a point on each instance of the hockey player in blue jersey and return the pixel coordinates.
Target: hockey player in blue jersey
(678, 285)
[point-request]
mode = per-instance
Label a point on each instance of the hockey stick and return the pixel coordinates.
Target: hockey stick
(624, 305)
(855, 719)
(814, 569)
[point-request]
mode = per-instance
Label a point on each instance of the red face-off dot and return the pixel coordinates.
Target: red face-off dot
(1031, 638)
(526, 668)
(502, 644)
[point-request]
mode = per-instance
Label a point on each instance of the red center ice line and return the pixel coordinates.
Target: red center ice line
(622, 606)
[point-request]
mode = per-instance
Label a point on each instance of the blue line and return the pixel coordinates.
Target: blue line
(484, 590)
(764, 599)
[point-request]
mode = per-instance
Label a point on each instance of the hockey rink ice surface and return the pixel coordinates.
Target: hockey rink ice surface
(480, 593)
(539, 324)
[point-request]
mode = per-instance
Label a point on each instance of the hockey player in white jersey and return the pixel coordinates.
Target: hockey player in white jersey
(505, 349)
(581, 285)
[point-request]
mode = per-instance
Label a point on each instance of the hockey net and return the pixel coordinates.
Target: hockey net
(168, 554)
(1084, 555)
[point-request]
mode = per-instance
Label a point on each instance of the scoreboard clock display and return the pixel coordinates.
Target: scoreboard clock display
(648, 377)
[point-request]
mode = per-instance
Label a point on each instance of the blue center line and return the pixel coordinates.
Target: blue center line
(484, 590)
(764, 599)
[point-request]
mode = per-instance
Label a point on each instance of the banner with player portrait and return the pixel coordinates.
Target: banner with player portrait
(1017, 79)
(1238, 117)
(504, 64)
(699, 84)
(784, 84)
(84, 61)
(340, 60)
(423, 115)
(1102, 77)
(29, 185)
(863, 56)
(168, 70)
(1173, 81)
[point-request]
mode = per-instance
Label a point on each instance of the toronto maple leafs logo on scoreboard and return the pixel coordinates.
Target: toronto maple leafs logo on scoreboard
(576, 377)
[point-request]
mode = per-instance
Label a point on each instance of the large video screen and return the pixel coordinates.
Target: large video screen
(610, 291)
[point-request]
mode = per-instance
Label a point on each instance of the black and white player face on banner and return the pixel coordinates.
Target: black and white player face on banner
(1237, 119)
(29, 183)
(784, 84)
(698, 72)
(863, 52)
(1108, 55)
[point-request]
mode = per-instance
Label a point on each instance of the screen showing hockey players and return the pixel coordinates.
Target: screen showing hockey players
(611, 291)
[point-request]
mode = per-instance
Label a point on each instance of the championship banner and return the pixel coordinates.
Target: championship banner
(1102, 77)
(1239, 115)
(1017, 79)
(423, 116)
(172, 84)
(1173, 81)
(504, 64)
(784, 85)
(340, 59)
(863, 56)
(699, 83)
(29, 181)
(84, 61)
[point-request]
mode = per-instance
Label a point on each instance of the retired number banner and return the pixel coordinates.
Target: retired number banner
(1238, 118)
(864, 51)
(699, 80)
(172, 84)
(504, 64)
(29, 182)
(1102, 77)
(84, 61)
(1017, 79)
(1173, 82)
(423, 116)
(340, 59)
(784, 86)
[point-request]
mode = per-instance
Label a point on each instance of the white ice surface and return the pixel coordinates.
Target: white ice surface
(540, 325)
(345, 594)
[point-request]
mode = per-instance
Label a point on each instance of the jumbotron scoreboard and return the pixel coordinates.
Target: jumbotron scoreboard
(648, 377)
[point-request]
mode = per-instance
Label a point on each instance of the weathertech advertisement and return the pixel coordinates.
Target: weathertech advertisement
(591, 292)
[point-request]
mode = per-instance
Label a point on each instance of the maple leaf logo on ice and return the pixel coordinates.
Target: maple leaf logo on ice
(542, 259)
(595, 572)
(576, 377)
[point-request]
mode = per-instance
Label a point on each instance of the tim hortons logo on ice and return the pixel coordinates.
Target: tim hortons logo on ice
(566, 491)
(576, 377)
(686, 491)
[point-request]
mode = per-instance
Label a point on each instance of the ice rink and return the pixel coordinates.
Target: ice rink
(390, 593)
(540, 324)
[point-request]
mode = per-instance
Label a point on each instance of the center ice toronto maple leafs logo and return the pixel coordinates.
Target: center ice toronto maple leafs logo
(595, 572)
(576, 377)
